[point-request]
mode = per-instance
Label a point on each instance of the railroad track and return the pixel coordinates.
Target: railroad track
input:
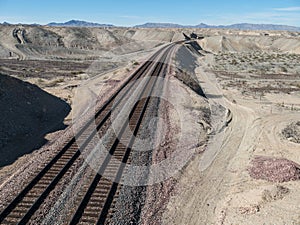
(97, 204)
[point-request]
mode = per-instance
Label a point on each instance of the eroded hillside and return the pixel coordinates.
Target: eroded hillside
(43, 42)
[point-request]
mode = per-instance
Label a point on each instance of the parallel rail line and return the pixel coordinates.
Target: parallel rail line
(102, 192)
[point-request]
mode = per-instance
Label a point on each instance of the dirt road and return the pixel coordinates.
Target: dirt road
(216, 187)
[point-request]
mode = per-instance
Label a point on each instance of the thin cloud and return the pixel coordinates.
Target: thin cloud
(130, 17)
(281, 18)
(288, 9)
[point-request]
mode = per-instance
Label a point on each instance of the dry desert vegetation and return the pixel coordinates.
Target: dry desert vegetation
(246, 165)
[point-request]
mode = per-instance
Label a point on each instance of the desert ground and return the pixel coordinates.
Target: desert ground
(245, 166)
(236, 187)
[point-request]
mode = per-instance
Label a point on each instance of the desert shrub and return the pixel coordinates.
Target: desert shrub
(55, 82)
(136, 63)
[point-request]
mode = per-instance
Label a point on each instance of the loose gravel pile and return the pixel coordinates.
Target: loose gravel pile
(274, 169)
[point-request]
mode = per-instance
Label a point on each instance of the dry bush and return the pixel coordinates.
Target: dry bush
(292, 132)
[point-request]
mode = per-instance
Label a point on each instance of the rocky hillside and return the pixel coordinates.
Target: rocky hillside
(230, 43)
(45, 42)
(90, 43)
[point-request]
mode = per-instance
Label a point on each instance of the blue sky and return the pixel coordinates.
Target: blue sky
(132, 12)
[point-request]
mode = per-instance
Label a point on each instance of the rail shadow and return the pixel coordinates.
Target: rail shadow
(213, 96)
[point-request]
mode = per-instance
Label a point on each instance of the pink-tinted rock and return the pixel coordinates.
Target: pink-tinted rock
(274, 169)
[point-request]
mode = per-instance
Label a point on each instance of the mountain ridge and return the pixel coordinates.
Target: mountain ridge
(238, 26)
(79, 23)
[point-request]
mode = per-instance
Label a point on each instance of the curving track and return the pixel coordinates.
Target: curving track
(97, 204)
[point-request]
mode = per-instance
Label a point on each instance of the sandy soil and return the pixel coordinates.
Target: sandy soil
(252, 84)
(216, 188)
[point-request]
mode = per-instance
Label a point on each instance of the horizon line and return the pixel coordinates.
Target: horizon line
(171, 23)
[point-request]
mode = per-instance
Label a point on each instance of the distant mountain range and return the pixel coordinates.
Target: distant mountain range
(78, 23)
(240, 26)
(162, 25)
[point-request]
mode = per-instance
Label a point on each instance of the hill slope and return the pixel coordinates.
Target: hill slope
(27, 115)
